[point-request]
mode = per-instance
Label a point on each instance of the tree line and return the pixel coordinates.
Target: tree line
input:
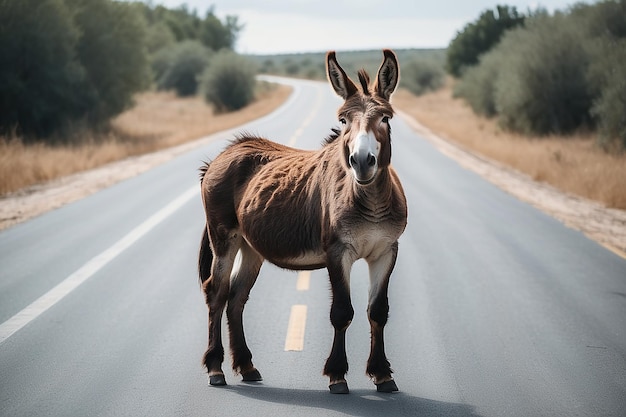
(68, 64)
(542, 73)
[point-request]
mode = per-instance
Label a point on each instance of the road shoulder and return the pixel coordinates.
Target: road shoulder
(604, 225)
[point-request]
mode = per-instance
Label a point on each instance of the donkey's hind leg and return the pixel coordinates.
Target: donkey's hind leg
(216, 288)
(242, 280)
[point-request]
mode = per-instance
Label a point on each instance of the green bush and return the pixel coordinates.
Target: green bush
(608, 76)
(178, 67)
(159, 37)
(542, 83)
(477, 86)
(229, 81)
(606, 24)
(421, 76)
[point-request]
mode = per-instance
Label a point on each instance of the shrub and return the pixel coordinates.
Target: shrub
(178, 67)
(159, 37)
(421, 76)
(477, 86)
(606, 25)
(228, 83)
(608, 77)
(541, 87)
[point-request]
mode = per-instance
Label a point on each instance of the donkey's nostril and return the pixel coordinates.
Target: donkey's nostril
(352, 160)
(371, 160)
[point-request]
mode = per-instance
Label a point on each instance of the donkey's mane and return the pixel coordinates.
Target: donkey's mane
(335, 133)
(203, 169)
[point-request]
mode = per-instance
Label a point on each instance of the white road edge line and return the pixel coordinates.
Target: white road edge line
(69, 284)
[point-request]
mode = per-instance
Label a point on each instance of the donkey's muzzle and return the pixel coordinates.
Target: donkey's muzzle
(364, 166)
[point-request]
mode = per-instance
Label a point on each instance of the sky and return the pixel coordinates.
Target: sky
(292, 26)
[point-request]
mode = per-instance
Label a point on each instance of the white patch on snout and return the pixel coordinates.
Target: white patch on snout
(366, 144)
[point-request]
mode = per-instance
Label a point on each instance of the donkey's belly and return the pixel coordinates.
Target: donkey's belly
(307, 261)
(286, 256)
(284, 239)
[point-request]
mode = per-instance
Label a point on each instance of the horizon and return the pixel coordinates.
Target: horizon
(279, 27)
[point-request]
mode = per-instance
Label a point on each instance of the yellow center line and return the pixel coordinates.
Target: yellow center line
(295, 330)
(304, 278)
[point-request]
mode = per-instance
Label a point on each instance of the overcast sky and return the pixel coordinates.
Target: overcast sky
(286, 26)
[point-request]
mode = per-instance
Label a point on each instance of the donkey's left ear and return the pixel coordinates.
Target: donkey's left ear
(388, 75)
(341, 83)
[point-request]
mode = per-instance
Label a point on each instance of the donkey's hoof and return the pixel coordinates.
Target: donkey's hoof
(252, 376)
(339, 388)
(387, 386)
(217, 380)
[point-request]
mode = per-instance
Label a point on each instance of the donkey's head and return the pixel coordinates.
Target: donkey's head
(365, 116)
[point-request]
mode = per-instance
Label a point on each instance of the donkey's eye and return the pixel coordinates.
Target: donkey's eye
(385, 119)
(343, 121)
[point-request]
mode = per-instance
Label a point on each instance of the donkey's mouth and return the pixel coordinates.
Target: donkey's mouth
(365, 182)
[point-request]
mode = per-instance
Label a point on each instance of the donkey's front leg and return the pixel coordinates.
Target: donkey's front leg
(378, 366)
(341, 314)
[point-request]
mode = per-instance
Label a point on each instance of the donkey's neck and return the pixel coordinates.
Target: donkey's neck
(374, 201)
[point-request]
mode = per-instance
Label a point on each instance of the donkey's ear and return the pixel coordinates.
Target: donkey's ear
(388, 75)
(341, 83)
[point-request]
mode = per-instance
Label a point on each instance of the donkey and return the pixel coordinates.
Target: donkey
(344, 203)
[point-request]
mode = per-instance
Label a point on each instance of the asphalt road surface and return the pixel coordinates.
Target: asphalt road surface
(496, 308)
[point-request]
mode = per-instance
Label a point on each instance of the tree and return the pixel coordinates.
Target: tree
(112, 49)
(479, 37)
(38, 67)
(184, 24)
(217, 35)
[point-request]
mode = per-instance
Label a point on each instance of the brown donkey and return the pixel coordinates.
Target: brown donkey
(305, 210)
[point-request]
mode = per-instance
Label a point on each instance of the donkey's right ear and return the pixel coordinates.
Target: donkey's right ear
(341, 83)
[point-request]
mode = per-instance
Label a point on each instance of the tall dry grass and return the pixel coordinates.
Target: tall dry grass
(571, 163)
(157, 121)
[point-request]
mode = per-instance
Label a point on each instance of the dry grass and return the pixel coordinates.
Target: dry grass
(158, 120)
(570, 163)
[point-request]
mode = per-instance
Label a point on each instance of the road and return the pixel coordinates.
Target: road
(496, 308)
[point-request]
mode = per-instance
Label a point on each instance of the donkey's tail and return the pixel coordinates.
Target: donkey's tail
(205, 258)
